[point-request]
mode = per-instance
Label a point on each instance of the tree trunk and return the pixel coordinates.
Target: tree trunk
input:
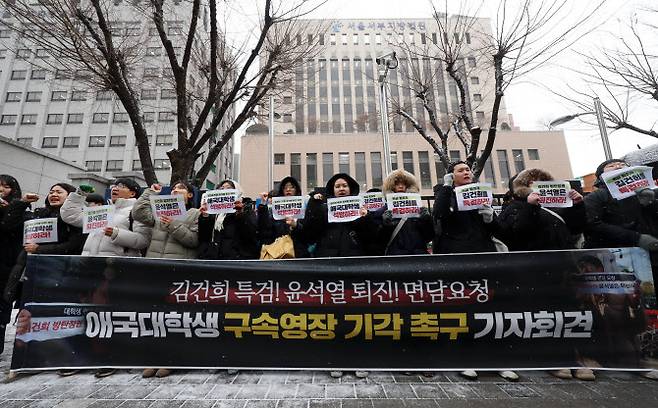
(182, 166)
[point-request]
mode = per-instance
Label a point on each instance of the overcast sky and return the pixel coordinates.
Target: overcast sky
(529, 100)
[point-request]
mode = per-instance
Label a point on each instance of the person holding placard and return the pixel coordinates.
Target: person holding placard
(404, 236)
(269, 228)
(526, 225)
(170, 237)
(229, 235)
(461, 231)
(627, 222)
(125, 236)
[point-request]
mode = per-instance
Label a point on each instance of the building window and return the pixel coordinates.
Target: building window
(519, 163)
(161, 164)
(360, 168)
(117, 140)
(321, 39)
(50, 142)
(3, 54)
(29, 119)
(96, 141)
(42, 53)
(101, 117)
(153, 51)
(503, 166)
(79, 96)
(475, 80)
(471, 62)
(149, 116)
(175, 31)
(164, 140)
(455, 156)
(137, 165)
(287, 118)
(344, 162)
(467, 36)
(479, 115)
(332, 39)
(355, 39)
(13, 97)
(311, 170)
(5, 33)
(296, 165)
(120, 117)
(408, 161)
(287, 99)
(75, 118)
(54, 118)
(34, 96)
(279, 158)
(104, 95)
(166, 116)
(114, 165)
(27, 141)
(19, 74)
(151, 72)
(376, 169)
(477, 97)
(58, 95)
(8, 120)
(168, 93)
(148, 94)
(424, 165)
(71, 141)
(394, 160)
(327, 166)
(344, 39)
(533, 154)
(440, 169)
(94, 165)
(38, 74)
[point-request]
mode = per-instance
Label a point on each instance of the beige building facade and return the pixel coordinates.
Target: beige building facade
(313, 159)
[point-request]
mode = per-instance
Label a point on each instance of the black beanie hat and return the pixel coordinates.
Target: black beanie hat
(599, 170)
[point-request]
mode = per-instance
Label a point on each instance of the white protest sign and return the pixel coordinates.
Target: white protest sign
(172, 206)
(288, 206)
(373, 201)
(344, 209)
(622, 183)
(221, 201)
(96, 218)
(553, 193)
(473, 196)
(404, 205)
(40, 231)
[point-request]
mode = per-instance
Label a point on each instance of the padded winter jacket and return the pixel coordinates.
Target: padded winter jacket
(177, 240)
(125, 241)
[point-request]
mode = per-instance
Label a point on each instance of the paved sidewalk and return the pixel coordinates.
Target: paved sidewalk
(296, 389)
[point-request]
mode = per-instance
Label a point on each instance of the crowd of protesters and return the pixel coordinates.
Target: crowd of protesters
(594, 221)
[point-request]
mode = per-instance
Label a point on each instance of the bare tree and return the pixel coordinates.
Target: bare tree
(83, 37)
(526, 34)
(623, 76)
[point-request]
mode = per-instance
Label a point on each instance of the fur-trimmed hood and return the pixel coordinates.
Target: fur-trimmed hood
(400, 174)
(354, 186)
(521, 185)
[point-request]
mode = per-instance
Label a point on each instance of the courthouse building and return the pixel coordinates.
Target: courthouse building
(55, 111)
(330, 122)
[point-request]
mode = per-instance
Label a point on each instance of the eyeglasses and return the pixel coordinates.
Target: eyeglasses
(118, 185)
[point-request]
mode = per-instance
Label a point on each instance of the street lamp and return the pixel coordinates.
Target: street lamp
(599, 118)
(385, 62)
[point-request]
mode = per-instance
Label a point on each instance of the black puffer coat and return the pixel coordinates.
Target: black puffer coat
(337, 239)
(527, 227)
(415, 233)
(237, 237)
(460, 231)
(617, 223)
(270, 229)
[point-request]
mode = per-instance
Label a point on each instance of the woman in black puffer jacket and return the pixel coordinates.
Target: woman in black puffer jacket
(270, 229)
(526, 226)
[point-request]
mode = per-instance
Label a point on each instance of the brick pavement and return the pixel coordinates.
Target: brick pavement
(297, 389)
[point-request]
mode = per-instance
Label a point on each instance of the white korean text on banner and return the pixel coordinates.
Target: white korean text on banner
(553, 193)
(288, 206)
(404, 205)
(344, 209)
(483, 311)
(474, 196)
(221, 201)
(96, 218)
(622, 183)
(172, 206)
(373, 201)
(40, 231)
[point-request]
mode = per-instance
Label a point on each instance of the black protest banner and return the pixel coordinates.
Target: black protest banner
(483, 311)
